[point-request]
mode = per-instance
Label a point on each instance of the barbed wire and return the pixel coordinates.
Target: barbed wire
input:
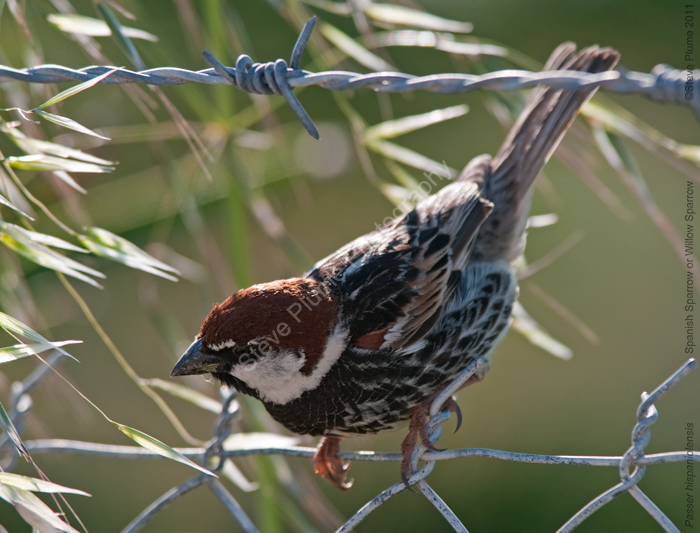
(663, 83)
(632, 465)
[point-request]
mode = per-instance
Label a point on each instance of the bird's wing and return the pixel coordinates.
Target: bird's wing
(394, 281)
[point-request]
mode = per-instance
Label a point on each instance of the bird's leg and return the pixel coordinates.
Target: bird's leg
(416, 428)
(327, 463)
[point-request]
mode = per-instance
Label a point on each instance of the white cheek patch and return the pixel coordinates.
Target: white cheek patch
(272, 376)
(278, 378)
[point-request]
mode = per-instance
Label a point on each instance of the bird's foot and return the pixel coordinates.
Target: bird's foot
(327, 463)
(416, 428)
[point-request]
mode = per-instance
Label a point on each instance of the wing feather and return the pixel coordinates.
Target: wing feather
(394, 281)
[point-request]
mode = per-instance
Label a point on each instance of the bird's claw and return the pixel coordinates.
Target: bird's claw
(453, 406)
(327, 463)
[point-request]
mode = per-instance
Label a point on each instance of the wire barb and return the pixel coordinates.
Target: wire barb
(270, 78)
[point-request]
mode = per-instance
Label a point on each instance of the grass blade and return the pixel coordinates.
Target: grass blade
(239, 254)
(35, 512)
(624, 123)
(439, 41)
(408, 157)
(524, 324)
(353, 49)
(153, 444)
(397, 195)
(406, 16)
(394, 128)
(36, 485)
(624, 163)
(39, 147)
(235, 476)
(11, 431)
(68, 179)
(403, 177)
(185, 393)
(46, 240)
(119, 35)
(72, 91)
(68, 123)
(92, 27)
(4, 201)
(17, 351)
(14, 327)
(336, 8)
(44, 256)
(106, 244)
(253, 440)
(47, 163)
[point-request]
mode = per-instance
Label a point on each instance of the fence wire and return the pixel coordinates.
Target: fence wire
(632, 465)
(663, 84)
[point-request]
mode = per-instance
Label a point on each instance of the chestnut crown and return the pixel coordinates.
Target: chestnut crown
(268, 340)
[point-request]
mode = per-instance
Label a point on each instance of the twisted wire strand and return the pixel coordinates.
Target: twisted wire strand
(138, 523)
(21, 405)
(646, 416)
(233, 506)
(663, 83)
(222, 429)
(135, 452)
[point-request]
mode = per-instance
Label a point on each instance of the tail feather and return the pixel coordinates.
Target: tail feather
(548, 114)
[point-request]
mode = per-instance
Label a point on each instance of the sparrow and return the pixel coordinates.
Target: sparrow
(371, 334)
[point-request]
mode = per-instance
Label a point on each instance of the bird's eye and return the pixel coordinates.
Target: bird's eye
(248, 361)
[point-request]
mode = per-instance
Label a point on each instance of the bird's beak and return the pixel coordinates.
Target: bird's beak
(194, 361)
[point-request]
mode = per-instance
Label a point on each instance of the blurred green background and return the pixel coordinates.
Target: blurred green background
(277, 199)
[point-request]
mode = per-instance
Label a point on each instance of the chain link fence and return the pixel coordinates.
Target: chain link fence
(632, 465)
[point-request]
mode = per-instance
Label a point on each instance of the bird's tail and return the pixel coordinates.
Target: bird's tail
(548, 114)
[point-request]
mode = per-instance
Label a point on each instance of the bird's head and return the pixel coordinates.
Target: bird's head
(273, 341)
